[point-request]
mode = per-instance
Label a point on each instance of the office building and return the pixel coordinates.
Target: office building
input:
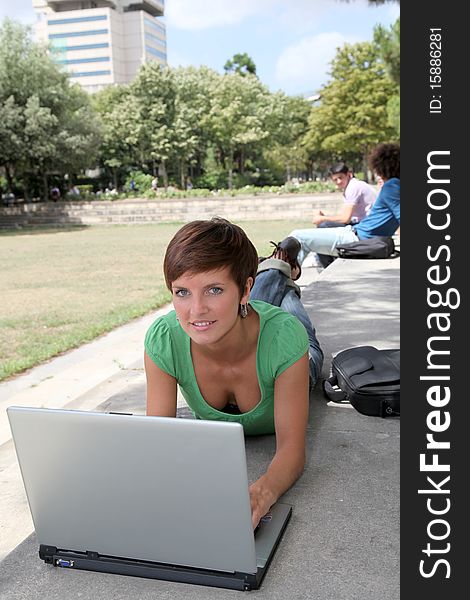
(102, 42)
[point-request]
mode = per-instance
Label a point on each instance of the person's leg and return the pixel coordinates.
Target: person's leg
(292, 304)
(326, 259)
(272, 286)
(322, 241)
(271, 283)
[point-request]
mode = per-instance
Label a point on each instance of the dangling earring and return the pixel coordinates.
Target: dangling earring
(243, 311)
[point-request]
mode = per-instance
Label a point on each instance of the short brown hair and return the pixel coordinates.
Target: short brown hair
(209, 245)
(385, 160)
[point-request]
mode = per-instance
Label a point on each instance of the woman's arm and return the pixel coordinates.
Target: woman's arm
(161, 390)
(291, 416)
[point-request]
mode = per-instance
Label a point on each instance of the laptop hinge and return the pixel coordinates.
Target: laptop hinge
(250, 582)
(46, 553)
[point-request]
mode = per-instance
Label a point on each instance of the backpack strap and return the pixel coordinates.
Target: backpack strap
(333, 392)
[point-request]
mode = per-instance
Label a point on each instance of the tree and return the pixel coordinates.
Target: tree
(11, 127)
(73, 139)
(388, 43)
(289, 124)
(241, 64)
(192, 107)
(352, 116)
(48, 122)
(39, 127)
(238, 118)
(376, 2)
(122, 130)
(155, 91)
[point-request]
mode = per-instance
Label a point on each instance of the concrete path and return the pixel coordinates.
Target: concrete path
(343, 540)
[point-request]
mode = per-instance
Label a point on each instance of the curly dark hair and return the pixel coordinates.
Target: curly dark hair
(385, 160)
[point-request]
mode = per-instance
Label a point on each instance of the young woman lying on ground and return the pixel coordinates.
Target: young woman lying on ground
(235, 358)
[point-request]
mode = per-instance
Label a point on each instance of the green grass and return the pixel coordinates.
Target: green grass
(61, 288)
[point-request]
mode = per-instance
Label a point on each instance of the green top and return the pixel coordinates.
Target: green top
(282, 341)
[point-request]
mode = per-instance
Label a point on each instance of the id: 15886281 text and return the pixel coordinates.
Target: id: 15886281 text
(435, 69)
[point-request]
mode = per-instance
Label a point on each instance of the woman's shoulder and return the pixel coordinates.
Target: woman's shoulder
(164, 326)
(275, 322)
(282, 339)
(166, 321)
(268, 312)
(164, 343)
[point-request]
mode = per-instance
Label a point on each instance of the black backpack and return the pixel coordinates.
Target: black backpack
(375, 247)
(368, 379)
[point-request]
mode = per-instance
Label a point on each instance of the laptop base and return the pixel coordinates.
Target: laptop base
(93, 561)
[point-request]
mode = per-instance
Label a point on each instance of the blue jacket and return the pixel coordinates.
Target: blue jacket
(384, 216)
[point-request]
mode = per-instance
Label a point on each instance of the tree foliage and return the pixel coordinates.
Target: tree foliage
(376, 2)
(352, 116)
(241, 64)
(290, 117)
(238, 119)
(217, 129)
(193, 109)
(120, 126)
(48, 123)
(388, 43)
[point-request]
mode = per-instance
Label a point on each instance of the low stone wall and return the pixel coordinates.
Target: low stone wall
(107, 212)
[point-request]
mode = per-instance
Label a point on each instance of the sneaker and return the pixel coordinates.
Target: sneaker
(290, 246)
(288, 251)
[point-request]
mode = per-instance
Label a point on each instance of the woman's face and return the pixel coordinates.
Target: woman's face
(207, 304)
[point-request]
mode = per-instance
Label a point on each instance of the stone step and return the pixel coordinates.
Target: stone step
(105, 212)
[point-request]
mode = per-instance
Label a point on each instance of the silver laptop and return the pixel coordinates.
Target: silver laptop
(146, 496)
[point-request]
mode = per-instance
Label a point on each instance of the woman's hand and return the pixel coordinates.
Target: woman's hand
(261, 498)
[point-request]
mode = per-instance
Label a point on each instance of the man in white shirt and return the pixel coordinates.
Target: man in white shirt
(358, 196)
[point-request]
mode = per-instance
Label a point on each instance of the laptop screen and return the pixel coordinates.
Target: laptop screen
(150, 488)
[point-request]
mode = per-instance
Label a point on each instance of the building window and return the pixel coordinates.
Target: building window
(85, 47)
(77, 33)
(155, 52)
(78, 20)
(77, 61)
(155, 24)
(90, 74)
(155, 39)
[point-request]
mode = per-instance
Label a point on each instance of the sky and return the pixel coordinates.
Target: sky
(291, 42)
